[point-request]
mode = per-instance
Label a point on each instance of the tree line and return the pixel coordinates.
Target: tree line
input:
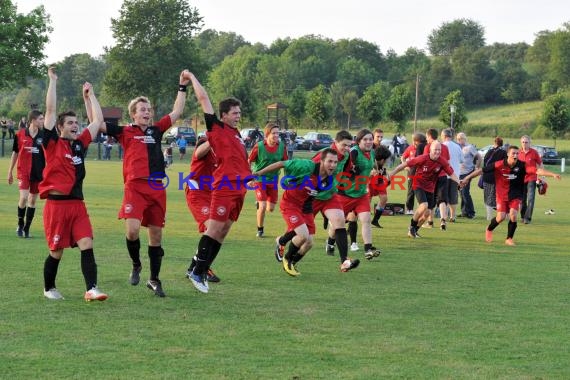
(324, 83)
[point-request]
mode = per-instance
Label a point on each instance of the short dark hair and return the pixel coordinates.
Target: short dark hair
(326, 151)
(360, 135)
(499, 141)
(378, 130)
(33, 115)
(227, 104)
(512, 147)
(381, 153)
(432, 132)
(343, 135)
(61, 117)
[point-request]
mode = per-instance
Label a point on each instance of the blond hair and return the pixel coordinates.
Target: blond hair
(133, 104)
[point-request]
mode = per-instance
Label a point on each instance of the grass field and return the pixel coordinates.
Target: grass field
(448, 305)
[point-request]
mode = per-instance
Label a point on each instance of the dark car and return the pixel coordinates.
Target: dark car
(548, 154)
(315, 141)
(187, 132)
(251, 136)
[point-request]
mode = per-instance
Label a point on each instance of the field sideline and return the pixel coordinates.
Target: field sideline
(448, 305)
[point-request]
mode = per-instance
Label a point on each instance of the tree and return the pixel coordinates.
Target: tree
(22, 41)
(311, 61)
(297, 104)
(400, 106)
(216, 46)
(154, 44)
(319, 106)
(459, 117)
(556, 115)
(348, 102)
(370, 107)
(451, 35)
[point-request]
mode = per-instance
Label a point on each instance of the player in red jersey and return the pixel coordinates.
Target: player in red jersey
(510, 175)
(265, 153)
(144, 201)
(229, 182)
(198, 193)
(428, 168)
(28, 153)
(66, 222)
(441, 195)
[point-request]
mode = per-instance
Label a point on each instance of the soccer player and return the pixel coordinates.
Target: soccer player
(328, 203)
(66, 221)
(304, 180)
(428, 168)
(199, 192)
(532, 159)
(144, 201)
(263, 154)
(353, 191)
(230, 176)
(381, 155)
(510, 175)
(440, 192)
(28, 153)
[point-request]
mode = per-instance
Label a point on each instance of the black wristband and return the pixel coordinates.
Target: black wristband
(182, 87)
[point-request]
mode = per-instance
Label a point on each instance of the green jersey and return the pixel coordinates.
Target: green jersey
(327, 194)
(362, 165)
(265, 158)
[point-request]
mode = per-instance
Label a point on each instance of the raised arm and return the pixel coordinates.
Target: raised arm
(180, 97)
(202, 150)
(96, 111)
(87, 103)
(51, 99)
(548, 173)
(202, 96)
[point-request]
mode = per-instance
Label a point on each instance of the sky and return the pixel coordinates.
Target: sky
(83, 26)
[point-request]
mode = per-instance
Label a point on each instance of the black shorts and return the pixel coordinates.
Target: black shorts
(452, 192)
(441, 195)
(423, 196)
(182, 150)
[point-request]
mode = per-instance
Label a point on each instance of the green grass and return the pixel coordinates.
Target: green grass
(444, 306)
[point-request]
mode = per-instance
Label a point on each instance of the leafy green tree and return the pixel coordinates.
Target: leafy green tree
(72, 72)
(400, 106)
(559, 65)
(459, 117)
(235, 76)
(297, 104)
(472, 74)
(356, 74)
(215, 46)
(270, 75)
(556, 115)
(458, 33)
(371, 105)
(319, 106)
(312, 61)
(348, 103)
(363, 51)
(22, 41)
(154, 44)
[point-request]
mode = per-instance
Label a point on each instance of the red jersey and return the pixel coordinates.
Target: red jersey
(201, 169)
(509, 181)
(427, 171)
(532, 160)
(229, 148)
(65, 164)
(31, 160)
(143, 151)
(444, 154)
(410, 152)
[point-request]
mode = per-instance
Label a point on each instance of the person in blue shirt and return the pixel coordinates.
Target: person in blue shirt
(182, 144)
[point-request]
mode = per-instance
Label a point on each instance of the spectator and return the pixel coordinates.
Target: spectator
(4, 126)
(22, 124)
(11, 133)
(182, 144)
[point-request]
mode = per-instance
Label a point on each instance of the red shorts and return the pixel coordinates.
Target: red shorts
(294, 217)
(198, 202)
(506, 206)
(357, 205)
(25, 184)
(266, 192)
(143, 202)
(66, 222)
(330, 204)
(226, 204)
(377, 188)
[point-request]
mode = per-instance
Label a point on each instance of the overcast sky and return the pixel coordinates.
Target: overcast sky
(83, 26)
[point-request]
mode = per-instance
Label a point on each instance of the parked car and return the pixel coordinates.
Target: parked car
(315, 141)
(251, 136)
(483, 151)
(548, 154)
(187, 132)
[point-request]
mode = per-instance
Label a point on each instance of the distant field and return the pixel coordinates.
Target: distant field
(447, 305)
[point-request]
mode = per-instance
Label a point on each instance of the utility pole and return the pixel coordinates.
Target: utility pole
(417, 98)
